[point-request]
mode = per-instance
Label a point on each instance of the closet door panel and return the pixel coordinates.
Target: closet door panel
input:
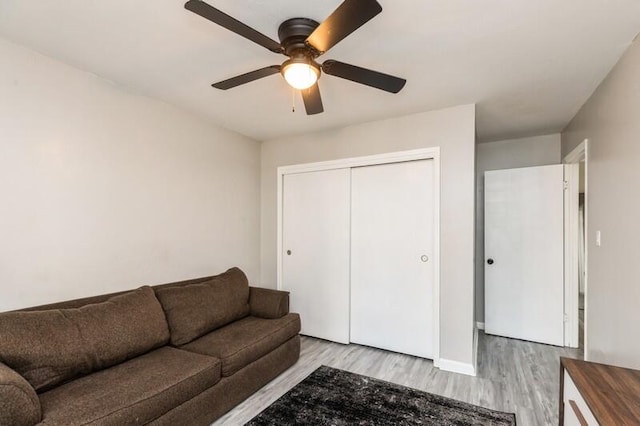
(315, 258)
(391, 250)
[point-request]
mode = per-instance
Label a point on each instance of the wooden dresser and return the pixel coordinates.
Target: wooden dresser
(597, 394)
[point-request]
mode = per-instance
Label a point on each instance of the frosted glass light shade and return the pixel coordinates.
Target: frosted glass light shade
(300, 75)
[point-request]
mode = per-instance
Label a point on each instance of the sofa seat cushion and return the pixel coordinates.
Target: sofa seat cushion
(242, 342)
(134, 392)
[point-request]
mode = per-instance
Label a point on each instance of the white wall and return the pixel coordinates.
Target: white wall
(610, 119)
(506, 154)
(453, 130)
(103, 190)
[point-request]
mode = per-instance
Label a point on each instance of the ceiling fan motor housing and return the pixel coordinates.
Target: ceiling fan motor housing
(293, 33)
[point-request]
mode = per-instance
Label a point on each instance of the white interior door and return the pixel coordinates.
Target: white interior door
(315, 244)
(524, 289)
(392, 210)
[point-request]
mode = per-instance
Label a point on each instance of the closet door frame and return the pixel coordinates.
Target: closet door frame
(370, 160)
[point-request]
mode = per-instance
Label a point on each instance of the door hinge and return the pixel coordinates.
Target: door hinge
(565, 318)
(565, 184)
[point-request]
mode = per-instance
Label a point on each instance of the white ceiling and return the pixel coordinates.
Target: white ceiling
(528, 64)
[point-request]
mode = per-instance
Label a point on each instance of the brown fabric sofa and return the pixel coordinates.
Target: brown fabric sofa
(180, 353)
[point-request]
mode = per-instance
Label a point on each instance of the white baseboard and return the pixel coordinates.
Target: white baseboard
(480, 325)
(457, 367)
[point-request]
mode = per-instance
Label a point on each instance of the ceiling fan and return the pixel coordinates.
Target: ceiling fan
(303, 40)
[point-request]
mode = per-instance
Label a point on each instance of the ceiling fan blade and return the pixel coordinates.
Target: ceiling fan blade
(247, 78)
(214, 15)
(364, 76)
(312, 100)
(348, 17)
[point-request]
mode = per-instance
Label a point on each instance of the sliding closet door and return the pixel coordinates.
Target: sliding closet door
(391, 249)
(315, 244)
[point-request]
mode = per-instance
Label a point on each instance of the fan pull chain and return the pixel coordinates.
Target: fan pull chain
(293, 100)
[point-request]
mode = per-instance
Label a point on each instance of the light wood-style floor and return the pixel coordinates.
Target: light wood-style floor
(513, 376)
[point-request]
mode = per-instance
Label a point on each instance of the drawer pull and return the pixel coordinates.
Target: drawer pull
(577, 412)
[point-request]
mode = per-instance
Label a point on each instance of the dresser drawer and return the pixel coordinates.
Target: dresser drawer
(613, 394)
(576, 411)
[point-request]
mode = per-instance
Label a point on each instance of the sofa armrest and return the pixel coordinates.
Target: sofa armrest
(19, 404)
(267, 303)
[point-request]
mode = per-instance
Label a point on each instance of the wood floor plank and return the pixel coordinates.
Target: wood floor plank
(513, 375)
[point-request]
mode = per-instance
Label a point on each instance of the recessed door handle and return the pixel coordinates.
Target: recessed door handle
(578, 413)
(490, 261)
(424, 258)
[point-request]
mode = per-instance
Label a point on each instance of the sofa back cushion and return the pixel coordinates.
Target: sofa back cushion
(53, 346)
(193, 310)
(121, 328)
(44, 347)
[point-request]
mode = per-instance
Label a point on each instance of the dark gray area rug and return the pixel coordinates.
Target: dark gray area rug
(338, 398)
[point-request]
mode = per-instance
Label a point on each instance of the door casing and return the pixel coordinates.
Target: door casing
(572, 291)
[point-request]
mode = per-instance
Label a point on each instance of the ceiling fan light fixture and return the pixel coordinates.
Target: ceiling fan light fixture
(300, 73)
(303, 40)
